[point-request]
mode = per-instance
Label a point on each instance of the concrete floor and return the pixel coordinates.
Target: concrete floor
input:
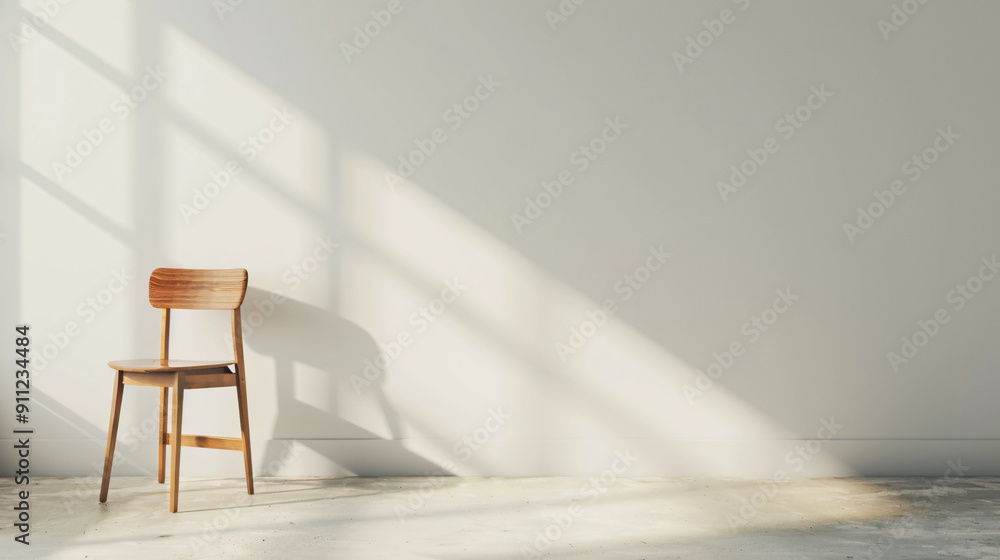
(501, 518)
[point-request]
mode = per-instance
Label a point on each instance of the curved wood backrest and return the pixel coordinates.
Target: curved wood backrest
(188, 288)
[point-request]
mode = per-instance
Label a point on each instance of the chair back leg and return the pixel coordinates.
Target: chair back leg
(241, 397)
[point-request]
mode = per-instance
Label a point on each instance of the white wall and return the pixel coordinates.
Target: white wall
(399, 243)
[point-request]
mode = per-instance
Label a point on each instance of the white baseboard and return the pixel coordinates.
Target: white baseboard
(535, 457)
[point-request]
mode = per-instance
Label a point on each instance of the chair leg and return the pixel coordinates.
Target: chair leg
(175, 443)
(241, 397)
(162, 455)
(109, 453)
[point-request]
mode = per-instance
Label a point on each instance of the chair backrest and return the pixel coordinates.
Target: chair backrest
(188, 288)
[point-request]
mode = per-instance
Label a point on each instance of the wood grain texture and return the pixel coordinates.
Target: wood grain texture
(199, 379)
(150, 366)
(161, 453)
(165, 335)
(209, 380)
(161, 379)
(187, 288)
(208, 442)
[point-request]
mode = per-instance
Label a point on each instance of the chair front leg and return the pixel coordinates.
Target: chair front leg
(109, 452)
(175, 440)
(162, 453)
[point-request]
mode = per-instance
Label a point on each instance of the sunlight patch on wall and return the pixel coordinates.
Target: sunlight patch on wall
(70, 321)
(233, 147)
(106, 29)
(241, 119)
(72, 134)
(200, 199)
(496, 344)
(434, 243)
(628, 369)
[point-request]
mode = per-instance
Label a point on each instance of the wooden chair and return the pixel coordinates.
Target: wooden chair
(175, 288)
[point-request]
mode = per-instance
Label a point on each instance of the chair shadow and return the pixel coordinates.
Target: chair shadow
(299, 333)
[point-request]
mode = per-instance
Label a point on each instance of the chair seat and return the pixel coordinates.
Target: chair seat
(154, 365)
